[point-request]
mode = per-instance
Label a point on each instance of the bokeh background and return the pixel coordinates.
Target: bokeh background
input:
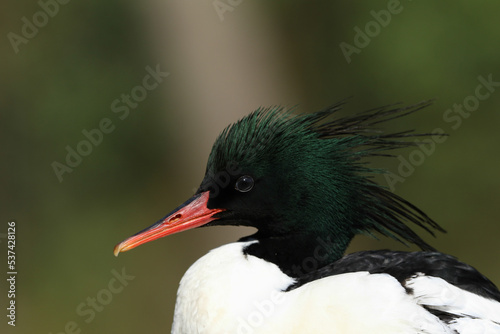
(224, 59)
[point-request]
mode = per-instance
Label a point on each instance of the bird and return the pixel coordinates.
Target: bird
(305, 182)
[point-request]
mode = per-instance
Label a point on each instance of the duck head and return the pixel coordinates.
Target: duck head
(299, 179)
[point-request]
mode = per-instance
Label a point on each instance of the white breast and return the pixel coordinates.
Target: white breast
(228, 292)
(222, 289)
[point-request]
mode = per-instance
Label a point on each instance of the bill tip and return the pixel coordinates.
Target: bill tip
(117, 249)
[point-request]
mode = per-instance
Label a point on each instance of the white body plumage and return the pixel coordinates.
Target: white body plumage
(228, 292)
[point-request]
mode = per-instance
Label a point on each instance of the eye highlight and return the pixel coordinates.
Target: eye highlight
(244, 184)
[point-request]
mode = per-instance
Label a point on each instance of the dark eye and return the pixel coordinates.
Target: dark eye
(244, 184)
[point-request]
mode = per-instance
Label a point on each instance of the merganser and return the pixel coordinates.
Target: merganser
(303, 182)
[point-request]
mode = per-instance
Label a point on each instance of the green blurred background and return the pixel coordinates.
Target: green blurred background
(221, 66)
